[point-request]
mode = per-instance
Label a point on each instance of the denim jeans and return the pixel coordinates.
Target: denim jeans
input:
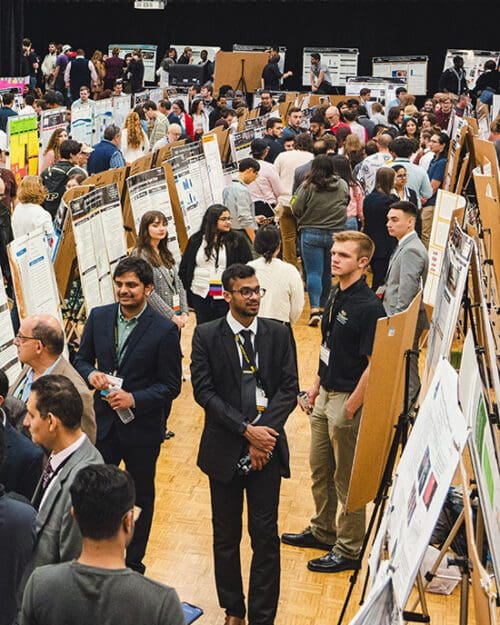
(351, 223)
(316, 245)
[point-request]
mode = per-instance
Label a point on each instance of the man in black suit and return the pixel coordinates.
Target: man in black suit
(244, 376)
(17, 537)
(131, 355)
(23, 460)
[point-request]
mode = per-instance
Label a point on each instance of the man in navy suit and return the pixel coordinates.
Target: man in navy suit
(23, 460)
(141, 350)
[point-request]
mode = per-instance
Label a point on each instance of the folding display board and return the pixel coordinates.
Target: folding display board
(384, 399)
(489, 213)
(22, 140)
(163, 154)
(412, 69)
(103, 117)
(474, 61)
(381, 88)
(9, 362)
(341, 63)
(238, 47)
(232, 67)
(214, 165)
(82, 122)
(148, 53)
(109, 177)
(143, 163)
(50, 120)
(180, 226)
(121, 108)
(485, 157)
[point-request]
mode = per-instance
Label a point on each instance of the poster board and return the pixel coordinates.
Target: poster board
(33, 275)
(489, 213)
(121, 108)
(111, 176)
(446, 204)
(482, 447)
(148, 53)
(448, 300)
(103, 117)
(228, 69)
(180, 226)
(82, 122)
(22, 140)
(412, 69)
(485, 157)
(383, 89)
(50, 120)
(100, 242)
(147, 191)
(212, 51)
(9, 362)
(423, 477)
(189, 202)
(238, 47)
(458, 133)
(383, 403)
(241, 142)
(341, 63)
(474, 61)
(13, 83)
(210, 147)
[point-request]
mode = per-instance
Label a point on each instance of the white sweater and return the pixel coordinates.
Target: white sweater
(284, 298)
(286, 163)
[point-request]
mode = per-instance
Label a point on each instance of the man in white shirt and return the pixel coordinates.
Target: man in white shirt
(54, 421)
(49, 66)
(371, 164)
(174, 133)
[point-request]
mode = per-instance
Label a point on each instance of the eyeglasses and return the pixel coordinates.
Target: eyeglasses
(23, 338)
(246, 292)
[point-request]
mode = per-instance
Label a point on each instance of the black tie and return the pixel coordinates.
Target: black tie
(47, 476)
(248, 379)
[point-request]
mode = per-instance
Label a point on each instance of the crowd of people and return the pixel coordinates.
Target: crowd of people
(349, 192)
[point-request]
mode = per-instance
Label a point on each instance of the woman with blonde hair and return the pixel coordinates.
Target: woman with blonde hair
(29, 214)
(353, 150)
(135, 142)
(52, 154)
(98, 61)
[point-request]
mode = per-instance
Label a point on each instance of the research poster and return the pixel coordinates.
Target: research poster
(33, 273)
(103, 117)
(474, 61)
(411, 69)
(100, 242)
(241, 142)
(50, 120)
(423, 477)
(341, 63)
(482, 445)
(148, 53)
(188, 200)
(210, 146)
(8, 351)
(22, 139)
(149, 191)
(238, 47)
(82, 122)
(383, 89)
(121, 108)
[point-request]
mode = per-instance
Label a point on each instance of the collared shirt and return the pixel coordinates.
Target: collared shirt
(406, 236)
(237, 327)
(125, 327)
(417, 179)
(24, 388)
(236, 197)
(56, 460)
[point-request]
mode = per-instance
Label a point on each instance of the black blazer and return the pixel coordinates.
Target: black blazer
(23, 463)
(237, 251)
(150, 368)
(375, 209)
(216, 379)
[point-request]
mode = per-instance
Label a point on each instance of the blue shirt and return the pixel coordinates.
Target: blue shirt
(24, 389)
(436, 171)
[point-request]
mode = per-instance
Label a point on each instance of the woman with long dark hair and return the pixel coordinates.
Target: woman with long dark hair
(52, 153)
(342, 167)
(375, 209)
(186, 121)
(208, 252)
(321, 209)
(439, 144)
(168, 297)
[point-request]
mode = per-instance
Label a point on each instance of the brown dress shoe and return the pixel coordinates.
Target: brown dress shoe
(234, 620)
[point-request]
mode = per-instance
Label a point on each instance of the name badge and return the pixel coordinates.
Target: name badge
(176, 303)
(324, 354)
(261, 400)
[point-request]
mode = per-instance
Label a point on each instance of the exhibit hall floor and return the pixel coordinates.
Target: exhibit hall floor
(180, 547)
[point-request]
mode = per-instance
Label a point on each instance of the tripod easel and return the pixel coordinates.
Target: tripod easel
(241, 84)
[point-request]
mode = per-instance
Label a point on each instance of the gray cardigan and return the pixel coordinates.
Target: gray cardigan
(167, 284)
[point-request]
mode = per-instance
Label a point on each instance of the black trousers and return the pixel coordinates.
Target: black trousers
(207, 308)
(379, 268)
(140, 462)
(262, 492)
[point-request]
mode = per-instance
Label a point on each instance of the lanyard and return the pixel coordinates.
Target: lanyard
(337, 299)
(246, 357)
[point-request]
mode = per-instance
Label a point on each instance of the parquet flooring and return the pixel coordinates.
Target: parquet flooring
(180, 547)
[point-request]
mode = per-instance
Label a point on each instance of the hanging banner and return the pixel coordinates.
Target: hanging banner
(82, 119)
(103, 117)
(9, 362)
(149, 191)
(22, 139)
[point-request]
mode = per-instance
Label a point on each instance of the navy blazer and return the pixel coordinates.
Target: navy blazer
(150, 368)
(216, 378)
(23, 463)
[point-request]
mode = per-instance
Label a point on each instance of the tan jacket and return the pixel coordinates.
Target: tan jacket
(63, 367)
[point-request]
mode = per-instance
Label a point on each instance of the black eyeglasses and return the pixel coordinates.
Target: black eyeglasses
(21, 337)
(246, 292)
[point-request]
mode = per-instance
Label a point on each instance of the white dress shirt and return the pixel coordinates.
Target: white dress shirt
(237, 327)
(56, 460)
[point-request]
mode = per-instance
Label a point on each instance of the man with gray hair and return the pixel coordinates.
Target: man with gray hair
(174, 133)
(40, 343)
(107, 153)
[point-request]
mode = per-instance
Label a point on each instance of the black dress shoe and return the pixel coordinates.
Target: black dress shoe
(304, 539)
(332, 563)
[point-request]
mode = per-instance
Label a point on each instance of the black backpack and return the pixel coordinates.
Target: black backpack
(54, 178)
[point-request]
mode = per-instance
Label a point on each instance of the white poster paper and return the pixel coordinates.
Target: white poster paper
(411, 69)
(341, 63)
(210, 146)
(148, 53)
(50, 120)
(8, 351)
(383, 89)
(82, 119)
(121, 108)
(474, 61)
(103, 117)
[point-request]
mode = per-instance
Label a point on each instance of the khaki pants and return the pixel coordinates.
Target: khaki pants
(427, 217)
(288, 228)
(333, 442)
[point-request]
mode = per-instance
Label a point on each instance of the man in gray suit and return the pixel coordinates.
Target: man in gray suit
(406, 274)
(40, 343)
(54, 421)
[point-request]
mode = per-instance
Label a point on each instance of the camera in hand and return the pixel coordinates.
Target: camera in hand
(244, 464)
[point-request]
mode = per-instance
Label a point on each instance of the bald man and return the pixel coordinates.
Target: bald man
(40, 343)
(174, 133)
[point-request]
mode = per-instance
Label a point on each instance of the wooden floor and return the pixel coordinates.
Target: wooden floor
(180, 547)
